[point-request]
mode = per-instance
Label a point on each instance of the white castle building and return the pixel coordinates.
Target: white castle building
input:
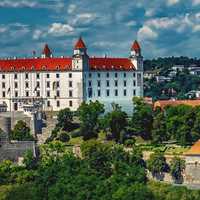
(68, 81)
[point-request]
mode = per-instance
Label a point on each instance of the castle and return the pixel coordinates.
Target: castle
(67, 81)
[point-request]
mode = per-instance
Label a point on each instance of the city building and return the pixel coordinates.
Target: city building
(63, 82)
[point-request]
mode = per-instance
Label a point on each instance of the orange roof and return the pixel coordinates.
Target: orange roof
(111, 64)
(36, 64)
(194, 150)
(80, 44)
(46, 51)
(163, 103)
(135, 46)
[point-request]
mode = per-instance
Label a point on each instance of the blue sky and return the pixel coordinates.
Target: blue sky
(163, 27)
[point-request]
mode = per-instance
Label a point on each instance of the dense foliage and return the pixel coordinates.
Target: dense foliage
(21, 132)
(104, 172)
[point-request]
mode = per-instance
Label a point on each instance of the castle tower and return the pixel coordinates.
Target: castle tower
(80, 57)
(46, 53)
(136, 56)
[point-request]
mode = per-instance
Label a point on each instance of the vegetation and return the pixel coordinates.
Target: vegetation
(21, 132)
(177, 166)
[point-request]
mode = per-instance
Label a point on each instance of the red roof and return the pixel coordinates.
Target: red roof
(46, 51)
(36, 64)
(111, 64)
(80, 44)
(136, 46)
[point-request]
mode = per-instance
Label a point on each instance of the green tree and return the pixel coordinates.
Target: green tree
(30, 160)
(21, 132)
(142, 118)
(65, 119)
(89, 114)
(196, 128)
(159, 131)
(63, 136)
(117, 123)
(157, 164)
(177, 165)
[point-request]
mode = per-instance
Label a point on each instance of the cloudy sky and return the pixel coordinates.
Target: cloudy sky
(163, 27)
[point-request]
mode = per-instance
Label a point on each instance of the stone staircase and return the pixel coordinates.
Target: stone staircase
(46, 131)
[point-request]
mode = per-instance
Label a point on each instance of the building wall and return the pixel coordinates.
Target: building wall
(114, 87)
(47, 82)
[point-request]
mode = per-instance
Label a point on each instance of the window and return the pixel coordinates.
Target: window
(99, 75)
(116, 75)
(134, 92)
(15, 76)
(16, 85)
(70, 75)
(27, 94)
(38, 84)
(134, 74)
(3, 76)
(107, 83)
(90, 83)
(124, 92)
(124, 75)
(58, 103)
(48, 84)
(58, 93)
(99, 83)
(70, 93)
(38, 75)
(16, 94)
(116, 83)
(38, 93)
(3, 85)
(48, 104)
(3, 94)
(48, 75)
(124, 83)
(48, 93)
(57, 75)
(26, 76)
(134, 83)
(57, 84)
(26, 85)
(99, 93)
(107, 93)
(107, 75)
(70, 83)
(116, 93)
(90, 75)
(70, 104)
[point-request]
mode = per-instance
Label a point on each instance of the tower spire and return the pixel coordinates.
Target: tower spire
(46, 53)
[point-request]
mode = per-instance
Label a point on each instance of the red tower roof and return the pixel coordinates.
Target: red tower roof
(46, 51)
(80, 44)
(136, 46)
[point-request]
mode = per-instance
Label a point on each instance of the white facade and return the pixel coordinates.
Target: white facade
(83, 81)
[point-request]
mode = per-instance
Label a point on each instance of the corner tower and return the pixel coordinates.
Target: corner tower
(46, 53)
(136, 56)
(80, 57)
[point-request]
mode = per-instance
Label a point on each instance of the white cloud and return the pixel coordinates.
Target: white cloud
(59, 29)
(172, 2)
(104, 44)
(83, 19)
(37, 34)
(195, 2)
(150, 12)
(146, 33)
(71, 8)
(131, 23)
(15, 4)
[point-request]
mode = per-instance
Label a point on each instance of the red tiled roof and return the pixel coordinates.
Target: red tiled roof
(194, 150)
(136, 46)
(46, 51)
(163, 103)
(36, 64)
(111, 64)
(80, 44)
